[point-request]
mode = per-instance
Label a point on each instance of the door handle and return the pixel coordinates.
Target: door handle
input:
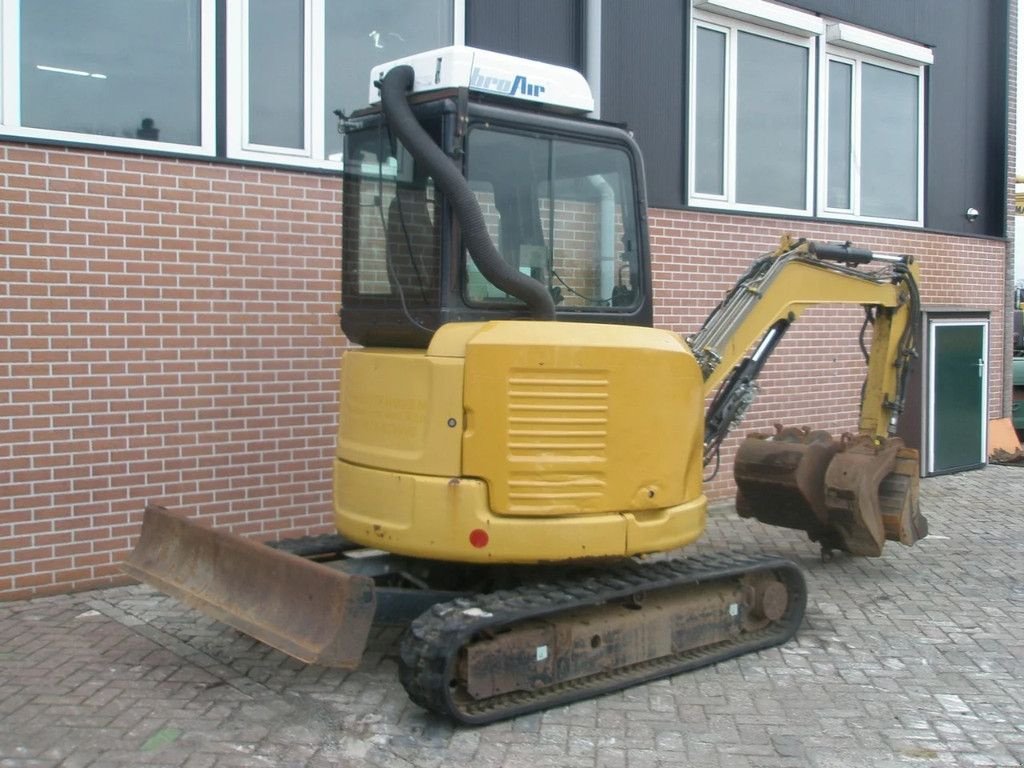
(981, 367)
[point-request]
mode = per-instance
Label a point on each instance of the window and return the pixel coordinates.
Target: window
(753, 100)
(130, 73)
(752, 106)
(142, 73)
(872, 158)
(559, 211)
(292, 64)
(392, 230)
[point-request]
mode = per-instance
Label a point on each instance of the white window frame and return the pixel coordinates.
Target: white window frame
(10, 91)
(865, 47)
(312, 82)
(237, 118)
(775, 23)
(312, 154)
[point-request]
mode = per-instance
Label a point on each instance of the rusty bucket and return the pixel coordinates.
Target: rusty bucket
(851, 494)
(871, 494)
(309, 611)
(779, 478)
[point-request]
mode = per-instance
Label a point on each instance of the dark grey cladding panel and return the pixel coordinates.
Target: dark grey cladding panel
(643, 84)
(966, 161)
(545, 30)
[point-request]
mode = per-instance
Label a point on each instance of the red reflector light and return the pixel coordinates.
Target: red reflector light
(478, 538)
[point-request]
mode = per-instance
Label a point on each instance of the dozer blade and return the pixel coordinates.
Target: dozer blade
(308, 611)
(851, 494)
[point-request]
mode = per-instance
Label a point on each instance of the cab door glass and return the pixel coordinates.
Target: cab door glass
(559, 211)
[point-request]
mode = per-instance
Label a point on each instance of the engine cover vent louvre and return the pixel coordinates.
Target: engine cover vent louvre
(558, 424)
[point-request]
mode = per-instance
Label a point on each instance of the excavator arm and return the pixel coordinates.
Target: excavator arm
(850, 494)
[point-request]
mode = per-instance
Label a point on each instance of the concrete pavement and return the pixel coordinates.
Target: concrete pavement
(913, 659)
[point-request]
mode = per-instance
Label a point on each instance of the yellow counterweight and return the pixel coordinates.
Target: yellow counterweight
(521, 442)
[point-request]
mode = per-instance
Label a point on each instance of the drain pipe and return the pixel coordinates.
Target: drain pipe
(606, 234)
(594, 53)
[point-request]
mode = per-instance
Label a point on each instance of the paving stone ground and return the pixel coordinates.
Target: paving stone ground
(913, 659)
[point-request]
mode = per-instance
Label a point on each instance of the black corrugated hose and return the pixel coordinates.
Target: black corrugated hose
(403, 123)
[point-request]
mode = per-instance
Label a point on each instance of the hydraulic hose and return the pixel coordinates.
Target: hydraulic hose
(404, 125)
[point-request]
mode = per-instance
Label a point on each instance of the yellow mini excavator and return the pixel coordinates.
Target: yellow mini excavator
(514, 434)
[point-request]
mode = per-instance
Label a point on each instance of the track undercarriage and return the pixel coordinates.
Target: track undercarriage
(486, 657)
(484, 642)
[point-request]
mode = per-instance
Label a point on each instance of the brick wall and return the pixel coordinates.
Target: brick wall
(169, 335)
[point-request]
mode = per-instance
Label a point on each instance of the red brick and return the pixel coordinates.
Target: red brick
(33, 580)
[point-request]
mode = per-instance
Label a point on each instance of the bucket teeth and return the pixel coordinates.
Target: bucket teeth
(850, 494)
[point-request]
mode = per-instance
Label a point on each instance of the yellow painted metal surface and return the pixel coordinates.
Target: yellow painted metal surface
(664, 529)
(578, 419)
(521, 442)
(442, 518)
(805, 284)
(799, 287)
(401, 410)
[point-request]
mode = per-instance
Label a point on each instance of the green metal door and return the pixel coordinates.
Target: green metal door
(959, 384)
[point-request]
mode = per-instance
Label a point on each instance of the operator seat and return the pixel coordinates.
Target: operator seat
(412, 247)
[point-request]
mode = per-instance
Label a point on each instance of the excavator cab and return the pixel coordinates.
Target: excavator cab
(562, 200)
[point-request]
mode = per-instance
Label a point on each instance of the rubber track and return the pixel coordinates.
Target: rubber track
(430, 646)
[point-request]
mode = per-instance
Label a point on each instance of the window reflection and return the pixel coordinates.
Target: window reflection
(360, 35)
(710, 118)
(889, 130)
(771, 122)
(558, 211)
(277, 103)
(840, 133)
(123, 68)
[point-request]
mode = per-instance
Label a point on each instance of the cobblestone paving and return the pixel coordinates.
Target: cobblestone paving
(914, 659)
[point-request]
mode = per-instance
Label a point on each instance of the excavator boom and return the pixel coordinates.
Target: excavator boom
(851, 493)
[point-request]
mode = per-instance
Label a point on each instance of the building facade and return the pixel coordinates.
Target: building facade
(170, 220)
